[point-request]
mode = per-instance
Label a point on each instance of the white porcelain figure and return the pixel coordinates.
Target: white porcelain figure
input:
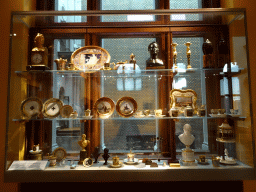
(187, 139)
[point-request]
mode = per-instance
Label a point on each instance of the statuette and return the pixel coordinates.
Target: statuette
(187, 139)
(174, 52)
(83, 144)
(154, 62)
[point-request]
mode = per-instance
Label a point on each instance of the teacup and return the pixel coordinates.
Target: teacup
(221, 111)
(158, 112)
(202, 158)
(87, 112)
(115, 160)
(139, 113)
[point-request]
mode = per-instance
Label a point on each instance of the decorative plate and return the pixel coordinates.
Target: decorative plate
(52, 107)
(90, 57)
(66, 111)
(116, 166)
(60, 154)
(126, 106)
(31, 107)
(104, 107)
(88, 162)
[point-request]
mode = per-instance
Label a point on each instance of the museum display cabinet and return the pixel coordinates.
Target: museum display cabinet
(138, 95)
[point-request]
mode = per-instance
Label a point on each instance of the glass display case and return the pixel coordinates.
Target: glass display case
(131, 95)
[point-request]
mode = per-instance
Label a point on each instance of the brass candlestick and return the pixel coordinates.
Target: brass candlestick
(174, 52)
(188, 54)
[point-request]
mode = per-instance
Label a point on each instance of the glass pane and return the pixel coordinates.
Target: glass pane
(70, 5)
(70, 90)
(185, 4)
(127, 5)
(139, 135)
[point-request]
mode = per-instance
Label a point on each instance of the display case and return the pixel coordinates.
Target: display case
(139, 95)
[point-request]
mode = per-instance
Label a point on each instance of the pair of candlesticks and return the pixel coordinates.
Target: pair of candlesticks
(174, 45)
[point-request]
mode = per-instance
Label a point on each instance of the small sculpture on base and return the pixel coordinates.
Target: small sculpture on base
(187, 139)
(106, 156)
(174, 52)
(83, 153)
(96, 154)
(154, 62)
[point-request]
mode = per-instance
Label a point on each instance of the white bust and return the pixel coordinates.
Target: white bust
(187, 138)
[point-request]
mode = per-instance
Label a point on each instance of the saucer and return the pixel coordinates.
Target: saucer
(136, 161)
(228, 162)
(234, 115)
(116, 166)
(35, 152)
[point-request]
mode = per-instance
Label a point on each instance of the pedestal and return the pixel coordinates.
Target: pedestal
(188, 157)
(208, 61)
(83, 155)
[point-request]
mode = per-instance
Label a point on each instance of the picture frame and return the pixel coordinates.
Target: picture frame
(126, 106)
(104, 107)
(90, 58)
(182, 98)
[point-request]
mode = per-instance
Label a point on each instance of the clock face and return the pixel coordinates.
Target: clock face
(37, 58)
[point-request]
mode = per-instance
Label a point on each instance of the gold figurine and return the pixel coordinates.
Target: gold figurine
(188, 54)
(83, 153)
(174, 45)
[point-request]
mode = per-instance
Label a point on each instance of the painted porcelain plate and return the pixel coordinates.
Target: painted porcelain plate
(31, 107)
(52, 107)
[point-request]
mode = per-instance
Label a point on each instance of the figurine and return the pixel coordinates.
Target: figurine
(188, 54)
(187, 139)
(83, 153)
(96, 154)
(106, 156)
(208, 56)
(174, 51)
(154, 62)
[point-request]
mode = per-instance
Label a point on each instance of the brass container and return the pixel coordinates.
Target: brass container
(115, 160)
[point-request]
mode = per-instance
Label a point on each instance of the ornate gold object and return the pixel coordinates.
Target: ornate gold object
(61, 63)
(174, 51)
(31, 107)
(83, 143)
(52, 107)
(39, 54)
(182, 98)
(60, 154)
(104, 107)
(126, 106)
(66, 111)
(188, 54)
(90, 58)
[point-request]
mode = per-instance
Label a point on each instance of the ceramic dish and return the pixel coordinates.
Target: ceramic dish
(60, 154)
(136, 161)
(104, 107)
(31, 107)
(52, 107)
(66, 111)
(126, 106)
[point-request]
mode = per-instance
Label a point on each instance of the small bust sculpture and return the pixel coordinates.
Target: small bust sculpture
(154, 61)
(39, 43)
(83, 143)
(106, 156)
(187, 138)
(96, 154)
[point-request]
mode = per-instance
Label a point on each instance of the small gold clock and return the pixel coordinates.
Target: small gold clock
(39, 55)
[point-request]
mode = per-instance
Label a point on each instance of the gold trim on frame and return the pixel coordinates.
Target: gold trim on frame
(178, 93)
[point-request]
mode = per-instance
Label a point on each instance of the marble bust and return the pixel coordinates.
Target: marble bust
(187, 138)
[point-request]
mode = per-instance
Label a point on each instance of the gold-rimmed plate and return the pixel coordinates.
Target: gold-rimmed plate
(31, 107)
(60, 154)
(66, 111)
(90, 58)
(126, 106)
(52, 107)
(104, 107)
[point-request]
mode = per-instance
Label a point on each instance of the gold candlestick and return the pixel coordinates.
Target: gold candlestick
(174, 55)
(188, 54)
